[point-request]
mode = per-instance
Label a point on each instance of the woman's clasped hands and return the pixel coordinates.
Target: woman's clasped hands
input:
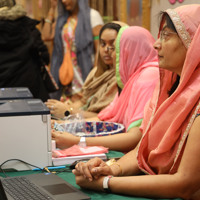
(91, 174)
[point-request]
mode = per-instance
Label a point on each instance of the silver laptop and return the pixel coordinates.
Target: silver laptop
(44, 186)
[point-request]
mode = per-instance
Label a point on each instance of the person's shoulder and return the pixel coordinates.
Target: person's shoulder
(93, 71)
(30, 22)
(94, 12)
(95, 18)
(149, 73)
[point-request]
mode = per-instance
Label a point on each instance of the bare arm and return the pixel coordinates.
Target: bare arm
(95, 168)
(48, 30)
(95, 32)
(126, 166)
(58, 108)
(183, 184)
(118, 142)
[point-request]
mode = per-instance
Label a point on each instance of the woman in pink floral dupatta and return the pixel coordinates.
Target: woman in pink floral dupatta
(169, 148)
(137, 75)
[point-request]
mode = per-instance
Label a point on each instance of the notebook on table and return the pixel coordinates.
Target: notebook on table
(44, 186)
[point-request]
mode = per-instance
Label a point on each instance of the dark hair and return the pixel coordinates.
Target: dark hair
(114, 26)
(174, 86)
(110, 25)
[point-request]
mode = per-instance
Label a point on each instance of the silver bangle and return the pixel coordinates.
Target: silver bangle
(82, 142)
(48, 21)
(105, 183)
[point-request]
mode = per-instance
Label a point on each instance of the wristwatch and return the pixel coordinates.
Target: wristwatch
(68, 112)
(82, 142)
(105, 183)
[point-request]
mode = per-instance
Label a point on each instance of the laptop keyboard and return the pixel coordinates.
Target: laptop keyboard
(20, 188)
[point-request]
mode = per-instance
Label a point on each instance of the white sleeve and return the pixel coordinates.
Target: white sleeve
(95, 18)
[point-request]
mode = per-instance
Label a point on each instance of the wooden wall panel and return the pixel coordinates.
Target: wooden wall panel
(109, 9)
(123, 11)
(146, 14)
(100, 7)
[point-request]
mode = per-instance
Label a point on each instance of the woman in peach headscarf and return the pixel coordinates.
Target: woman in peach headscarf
(137, 74)
(169, 149)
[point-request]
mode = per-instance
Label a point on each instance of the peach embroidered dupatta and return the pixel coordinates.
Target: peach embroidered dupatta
(168, 119)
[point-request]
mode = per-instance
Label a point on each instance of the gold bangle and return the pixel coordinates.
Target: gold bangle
(48, 21)
(114, 162)
(71, 110)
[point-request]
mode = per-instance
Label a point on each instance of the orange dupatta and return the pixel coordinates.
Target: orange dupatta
(168, 120)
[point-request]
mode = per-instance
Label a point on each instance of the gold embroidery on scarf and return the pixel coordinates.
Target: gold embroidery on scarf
(180, 27)
(186, 132)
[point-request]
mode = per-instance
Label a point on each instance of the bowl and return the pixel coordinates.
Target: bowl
(90, 128)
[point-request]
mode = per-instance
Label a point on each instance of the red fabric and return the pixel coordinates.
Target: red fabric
(76, 150)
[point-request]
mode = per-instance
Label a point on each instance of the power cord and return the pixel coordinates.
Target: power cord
(45, 169)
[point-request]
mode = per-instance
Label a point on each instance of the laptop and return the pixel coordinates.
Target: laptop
(44, 186)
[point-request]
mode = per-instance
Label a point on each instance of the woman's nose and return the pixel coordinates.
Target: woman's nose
(106, 48)
(157, 44)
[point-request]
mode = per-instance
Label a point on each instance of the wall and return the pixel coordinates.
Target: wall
(161, 5)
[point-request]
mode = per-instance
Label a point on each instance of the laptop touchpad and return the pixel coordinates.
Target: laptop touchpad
(58, 189)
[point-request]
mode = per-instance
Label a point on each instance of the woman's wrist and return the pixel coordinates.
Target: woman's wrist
(106, 186)
(50, 16)
(72, 140)
(48, 21)
(76, 140)
(68, 112)
(115, 167)
(82, 142)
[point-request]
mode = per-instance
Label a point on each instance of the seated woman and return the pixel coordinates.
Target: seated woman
(100, 86)
(137, 74)
(169, 148)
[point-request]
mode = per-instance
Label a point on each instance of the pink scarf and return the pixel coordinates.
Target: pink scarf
(137, 74)
(168, 120)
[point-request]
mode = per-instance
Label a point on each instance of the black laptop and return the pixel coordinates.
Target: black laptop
(44, 186)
